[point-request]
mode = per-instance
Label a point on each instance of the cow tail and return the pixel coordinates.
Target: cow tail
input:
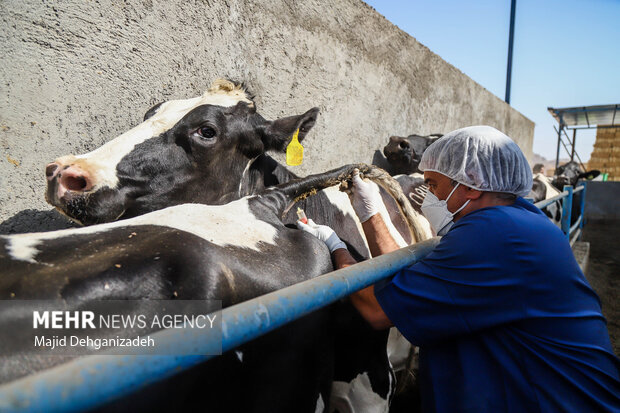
(391, 185)
(287, 194)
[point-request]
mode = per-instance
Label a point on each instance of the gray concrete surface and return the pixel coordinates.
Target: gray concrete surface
(602, 200)
(603, 272)
(581, 251)
(75, 74)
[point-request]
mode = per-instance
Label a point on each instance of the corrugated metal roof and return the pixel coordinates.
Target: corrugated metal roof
(587, 116)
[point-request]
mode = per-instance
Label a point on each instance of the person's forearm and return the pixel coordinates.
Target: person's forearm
(364, 300)
(342, 258)
(366, 303)
(379, 239)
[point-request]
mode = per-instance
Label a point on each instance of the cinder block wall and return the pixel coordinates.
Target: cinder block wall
(75, 74)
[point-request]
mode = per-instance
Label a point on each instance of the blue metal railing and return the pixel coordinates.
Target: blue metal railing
(92, 381)
(572, 232)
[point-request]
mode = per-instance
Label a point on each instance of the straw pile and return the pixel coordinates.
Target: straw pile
(606, 154)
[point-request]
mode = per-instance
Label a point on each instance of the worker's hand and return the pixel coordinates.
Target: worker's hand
(324, 233)
(364, 197)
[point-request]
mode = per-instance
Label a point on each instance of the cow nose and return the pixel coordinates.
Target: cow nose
(73, 178)
(51, 170)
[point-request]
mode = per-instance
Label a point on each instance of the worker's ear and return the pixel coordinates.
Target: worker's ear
(472, 193)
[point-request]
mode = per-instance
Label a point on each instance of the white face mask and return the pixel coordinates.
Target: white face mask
(437, 212)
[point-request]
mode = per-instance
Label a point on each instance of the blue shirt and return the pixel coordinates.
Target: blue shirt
(505, 319)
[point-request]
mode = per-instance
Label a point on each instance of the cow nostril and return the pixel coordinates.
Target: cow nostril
(74, 183)
(50, 169)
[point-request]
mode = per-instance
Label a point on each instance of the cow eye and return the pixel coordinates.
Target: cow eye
(206, 132)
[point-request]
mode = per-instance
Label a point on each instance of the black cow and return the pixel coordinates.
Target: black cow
(570, 174)
(195, 251)
(403, 155)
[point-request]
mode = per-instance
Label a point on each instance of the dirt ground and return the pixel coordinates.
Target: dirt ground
(603, 272)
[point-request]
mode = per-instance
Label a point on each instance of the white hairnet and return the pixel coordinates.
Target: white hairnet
(480, 157)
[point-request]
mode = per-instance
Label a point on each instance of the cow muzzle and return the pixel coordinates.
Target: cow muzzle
(397, 149)
(68, 178)
(68, 186)
(562, 181)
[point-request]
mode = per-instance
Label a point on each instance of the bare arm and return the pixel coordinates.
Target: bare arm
(364, 300)
(379, 239)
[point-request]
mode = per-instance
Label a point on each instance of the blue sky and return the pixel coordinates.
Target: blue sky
(566, 53)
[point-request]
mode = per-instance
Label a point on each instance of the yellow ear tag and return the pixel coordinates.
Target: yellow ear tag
(294, 151)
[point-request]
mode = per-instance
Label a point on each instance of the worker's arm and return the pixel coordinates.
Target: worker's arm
(366, 201)
(364, 300)
(379, 239)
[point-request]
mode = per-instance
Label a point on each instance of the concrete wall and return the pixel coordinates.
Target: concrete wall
(77, 73)
(603, 200)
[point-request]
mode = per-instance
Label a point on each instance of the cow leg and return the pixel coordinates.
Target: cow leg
(362, 366)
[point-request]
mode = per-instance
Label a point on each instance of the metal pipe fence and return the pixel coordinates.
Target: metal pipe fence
(572, 230)
(88, 382)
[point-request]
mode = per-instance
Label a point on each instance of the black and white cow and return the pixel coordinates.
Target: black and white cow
(571, 174)
(196, 251)
(207, 150)
(402, 157)
(542, 188)
(403, 154)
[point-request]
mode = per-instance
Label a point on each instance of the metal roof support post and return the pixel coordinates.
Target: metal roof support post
(557, 154)
(582, 208)
(567, 207)
(572, 153)
(511, 39)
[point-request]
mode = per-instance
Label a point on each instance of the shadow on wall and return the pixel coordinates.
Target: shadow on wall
(32, 220)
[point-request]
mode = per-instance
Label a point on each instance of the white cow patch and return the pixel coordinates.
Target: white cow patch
(320, 404)
(239, 355)
(232, 224)
(357, 396)
(341, 200)
(551, 192)
(102, 162)
(398, 349)
(386, 218)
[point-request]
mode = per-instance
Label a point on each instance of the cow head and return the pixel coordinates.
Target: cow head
(570, 173)
(404, 154)
(193, 150)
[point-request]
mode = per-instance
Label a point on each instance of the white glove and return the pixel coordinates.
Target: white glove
(365, 199)
(324, 233)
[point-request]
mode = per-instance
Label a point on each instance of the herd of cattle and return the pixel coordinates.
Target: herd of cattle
(188, 205)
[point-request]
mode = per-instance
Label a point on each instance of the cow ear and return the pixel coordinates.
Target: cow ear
(278, 133)
(152, 111)
(589, 175)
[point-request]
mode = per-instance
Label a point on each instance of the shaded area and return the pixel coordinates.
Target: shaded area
(32, 220)
(603, 272)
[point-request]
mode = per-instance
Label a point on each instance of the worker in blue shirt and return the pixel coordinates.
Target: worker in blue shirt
(504, 317)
